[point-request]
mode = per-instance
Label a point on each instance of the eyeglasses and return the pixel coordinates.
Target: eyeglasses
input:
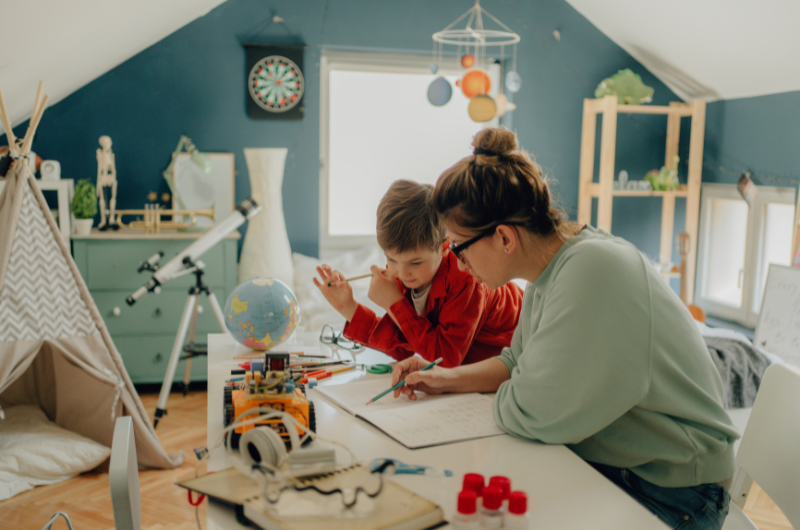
(458, 248)
(338, 341)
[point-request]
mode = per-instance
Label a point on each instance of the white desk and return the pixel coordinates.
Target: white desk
(563, 491)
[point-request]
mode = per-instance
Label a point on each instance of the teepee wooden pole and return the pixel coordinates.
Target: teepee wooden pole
(38, 99)
(34, 123)
(7, 123)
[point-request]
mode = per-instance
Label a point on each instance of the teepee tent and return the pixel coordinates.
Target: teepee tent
(55, 351)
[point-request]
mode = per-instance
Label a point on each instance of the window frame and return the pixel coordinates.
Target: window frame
(330, 245)
(754, 247)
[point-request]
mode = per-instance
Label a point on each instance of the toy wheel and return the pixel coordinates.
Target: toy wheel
(312, 418)
(227, 405)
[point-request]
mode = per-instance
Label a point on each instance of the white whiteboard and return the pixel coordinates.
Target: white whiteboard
(778, 329)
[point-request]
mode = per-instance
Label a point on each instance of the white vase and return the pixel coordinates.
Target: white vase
(83, 227)
(266, 252)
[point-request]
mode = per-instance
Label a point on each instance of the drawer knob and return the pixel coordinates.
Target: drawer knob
(116, 312)
(158, 358)
(157, 312)
(157, 289)
(199, 310)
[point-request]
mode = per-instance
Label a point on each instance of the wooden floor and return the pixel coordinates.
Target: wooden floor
(87, 501)
(165, 507)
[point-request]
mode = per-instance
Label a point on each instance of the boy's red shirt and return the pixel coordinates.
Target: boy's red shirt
(464, 322)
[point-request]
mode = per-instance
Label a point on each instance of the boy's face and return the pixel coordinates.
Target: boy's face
(415, 268)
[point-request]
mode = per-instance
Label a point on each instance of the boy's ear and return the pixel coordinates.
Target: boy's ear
(446, 246)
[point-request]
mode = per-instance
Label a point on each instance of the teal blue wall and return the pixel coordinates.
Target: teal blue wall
(192, 82)
(759, 134)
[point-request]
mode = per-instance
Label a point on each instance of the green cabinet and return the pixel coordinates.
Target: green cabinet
(144, 333)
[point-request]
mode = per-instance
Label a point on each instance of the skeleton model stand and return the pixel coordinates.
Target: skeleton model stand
(106, 178)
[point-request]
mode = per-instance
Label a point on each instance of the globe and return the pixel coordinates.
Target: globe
(261, 313)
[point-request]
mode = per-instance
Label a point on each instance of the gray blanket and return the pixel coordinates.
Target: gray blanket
(741, 367)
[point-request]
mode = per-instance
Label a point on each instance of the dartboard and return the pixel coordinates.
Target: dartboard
(276, 83)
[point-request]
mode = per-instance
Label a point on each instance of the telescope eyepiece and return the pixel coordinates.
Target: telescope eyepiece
(248, 208)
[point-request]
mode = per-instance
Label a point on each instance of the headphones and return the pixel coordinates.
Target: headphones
(262, 445)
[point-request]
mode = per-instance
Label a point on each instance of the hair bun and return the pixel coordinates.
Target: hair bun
(501, 141)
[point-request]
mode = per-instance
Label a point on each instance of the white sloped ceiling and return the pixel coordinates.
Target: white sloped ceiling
(708, 49)
(69, 43)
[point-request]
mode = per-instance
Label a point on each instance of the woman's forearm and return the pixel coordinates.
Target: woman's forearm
(485, 376)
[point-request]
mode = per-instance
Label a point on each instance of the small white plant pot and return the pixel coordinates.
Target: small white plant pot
(83, 227)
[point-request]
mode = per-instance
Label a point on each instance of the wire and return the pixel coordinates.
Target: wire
(53, 520)
(762, 176)
(379, 470)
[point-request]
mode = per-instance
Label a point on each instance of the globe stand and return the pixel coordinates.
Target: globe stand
(186, 327)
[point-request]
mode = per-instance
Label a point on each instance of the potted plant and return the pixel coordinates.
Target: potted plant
(84, 206)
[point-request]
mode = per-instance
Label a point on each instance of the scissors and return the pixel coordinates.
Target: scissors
(379, 369)
(407, 469)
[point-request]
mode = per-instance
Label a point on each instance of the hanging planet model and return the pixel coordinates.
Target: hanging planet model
(513, 81)
(276, 83)
(439, 92)
(503, 105)
(468, 60)
(475, 82)
(434, 68)
(482, 108)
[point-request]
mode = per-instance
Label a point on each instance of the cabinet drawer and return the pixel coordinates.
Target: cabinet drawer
(155, 313)
(113, 264)
(146, 359)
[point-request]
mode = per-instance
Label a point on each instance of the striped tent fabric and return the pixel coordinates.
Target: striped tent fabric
(39, 298)
(55, 349)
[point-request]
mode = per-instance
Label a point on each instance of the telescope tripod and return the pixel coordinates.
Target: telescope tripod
(187, 326)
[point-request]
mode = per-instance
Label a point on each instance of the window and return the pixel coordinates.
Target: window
(736, 245)
(377, 126)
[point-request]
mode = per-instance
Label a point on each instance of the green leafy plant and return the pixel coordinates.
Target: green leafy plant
(627, 86)
(84, 203)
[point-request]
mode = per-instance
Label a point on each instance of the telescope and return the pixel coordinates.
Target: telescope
(180, 264)
(187, 263)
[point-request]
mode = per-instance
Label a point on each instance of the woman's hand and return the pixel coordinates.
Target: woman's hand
(434, 381)
(383, 288)
(339, 295)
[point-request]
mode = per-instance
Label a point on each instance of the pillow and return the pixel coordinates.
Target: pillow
(35, 451)
(315, 311)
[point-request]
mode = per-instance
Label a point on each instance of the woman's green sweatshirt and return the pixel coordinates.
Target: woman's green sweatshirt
(607, 360)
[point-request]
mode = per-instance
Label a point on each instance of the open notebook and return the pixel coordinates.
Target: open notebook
(431, 420)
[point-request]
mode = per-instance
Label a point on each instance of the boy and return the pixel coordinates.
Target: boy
(432, 307)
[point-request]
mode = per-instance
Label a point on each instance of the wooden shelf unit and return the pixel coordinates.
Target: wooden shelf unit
(604, 190)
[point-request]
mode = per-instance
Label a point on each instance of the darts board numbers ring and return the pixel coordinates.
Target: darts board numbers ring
(276, 84)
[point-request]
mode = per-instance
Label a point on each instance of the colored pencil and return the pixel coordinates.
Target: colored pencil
(330, 284)
(401, 383)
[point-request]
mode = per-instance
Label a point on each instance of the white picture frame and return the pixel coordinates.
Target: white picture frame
(198, 190)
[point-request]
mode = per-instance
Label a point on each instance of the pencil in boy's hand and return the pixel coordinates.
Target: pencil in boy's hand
(330, 284)
(401, 383)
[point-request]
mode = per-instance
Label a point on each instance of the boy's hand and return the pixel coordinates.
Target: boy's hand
(339, 295)
(383, 288)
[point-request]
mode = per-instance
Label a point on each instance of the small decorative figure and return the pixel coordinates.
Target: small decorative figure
(666, 179)
(107, 178)
(468, 60)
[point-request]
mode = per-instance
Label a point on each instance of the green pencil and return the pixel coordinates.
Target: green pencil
(401, 383)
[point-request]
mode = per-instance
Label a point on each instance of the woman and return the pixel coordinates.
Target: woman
(605, 358)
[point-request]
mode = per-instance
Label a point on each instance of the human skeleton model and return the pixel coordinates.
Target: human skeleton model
(106, 178)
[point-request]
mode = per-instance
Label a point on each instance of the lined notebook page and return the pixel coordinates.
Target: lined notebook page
(353, 396)
(431, 420)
